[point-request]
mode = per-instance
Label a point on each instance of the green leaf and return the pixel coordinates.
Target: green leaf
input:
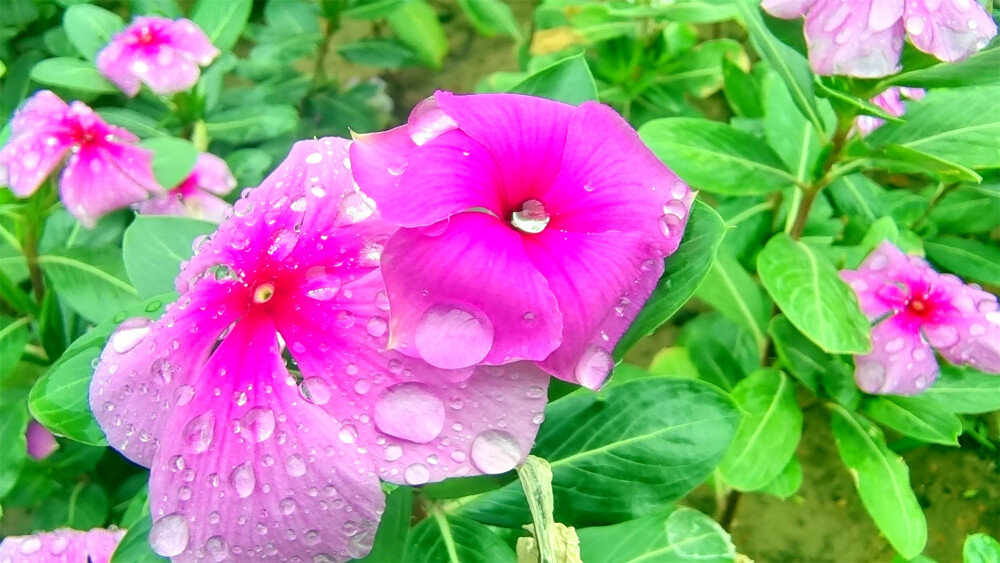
(699, 71)
(134, 547)
(456, 540)
(787, 482)
(138, 123)
(791, 66)
(166, 8)
(770, 431)
(597, 444)
(716, 157)
(90, 28)
(13, 445)
(968, 258)
(883, 481)
(798, 354)
(64, 72)
(371, 9)
(856, 195)
(249, 166)
(742, 90)
(965, 390)
(568, 80)
(390, 539)
(918, 417)
(731, 290)
(980, 548)
(723, 351)
(154, 247)
(789, 133)
(416, 24)
(908, 160)
(969, 209)
(810, 293)
(91, 280)
(251, 124)
(223, 22)
(14, 335)
(292, 17)
(958, 125)
(491, 17)
(385, 53)
(978, 69)
(59, 400)
(683, 272)
(173, 159)
(678, 535)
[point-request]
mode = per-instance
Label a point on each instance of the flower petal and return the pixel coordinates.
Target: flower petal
(951, 30)
(62, 545)
(600, 280)
(41, 442)
(901, 361)
(165, 71)
(115, 61)
(101, 178)
(862, 38)
(31, 156)
(464, 292)
(212, 174)
(189, 40)
(969, 334)
(41, 110)
(787, 9)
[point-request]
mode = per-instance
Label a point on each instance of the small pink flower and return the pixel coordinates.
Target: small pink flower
(533, 230)
(105, 170)
(264, 401)
(892, 102)
(162, 53)
(917, 311)
(41, 442)
(864, 38)
(64, 544)
(197, 195)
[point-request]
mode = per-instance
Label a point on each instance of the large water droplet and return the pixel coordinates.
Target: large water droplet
(259, 421)
(532, 217)
(169, 535)
(427, 121)
(30, 546)
(941, 336)
(316, 390)
(199, 431)
(295, 465)
(129, 334)
(452, 337)
(495, 451)
(216, 548)
(376, 326)
(242, 479)
(393, 452)
(593, 367)
(320, 285)
(410, 411)
(416, 474)
(348, 434)
(282, 244)
(397, 165)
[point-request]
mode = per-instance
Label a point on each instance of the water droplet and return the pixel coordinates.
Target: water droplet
(242, 479)
(316, 390)
(259, 421)
(397, 165)
(348, 434)
(295, 465)
(941, 336)
(169, 535)
(877, 262)
(317, 191)
(870, 376)
(427, 121)
(531, 218)
(217, 548)
(129, 334)
(376, 326)
(360, 544)
(977, 330)
(299, 204)
(593, 367)
(362, 386)
(199, 431)
(410, 411)
(242, 207)
(282, 244)
(417, 474)
(915, 25)
(453, 337)
(495, 451)
(31, 545)
(287, 506)
(535, 392)
(538, 418)
(183, 395)
(588, 186)
(670, 225)
(314, 158)
(895, 345)
(345, 319)
(320, 285)
(393, 452)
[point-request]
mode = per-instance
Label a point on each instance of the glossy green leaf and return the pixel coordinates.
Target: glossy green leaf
(742, 90)
(455, 540)
(384, 53)
(856, 195)
(391, 537)
(681, 535)
(568, 80)
(789, 133)
(154, 247)
(968, 258)
(90, 28)
(223, 22)
(597, 443)
(13, 445)
(810, 293)
(91, 280)
(14, 334)
(173, 159)
(251, 124)
(684, 271)
(371, 9)
(977, 69)
(917, 417)
(799, 356)
(787, 482)
(968, 209)
(716, 157)
(699, 71)
(416, 24)
(980, 548)
(769, 433)
(65, 72)
(491, 17)
(965, 390)
(723, 351)
(883, 481)
(731, 290)
(249, 166)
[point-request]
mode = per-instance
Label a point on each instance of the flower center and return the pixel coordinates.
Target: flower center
(918, 306)
(263, 293)
(532, 218)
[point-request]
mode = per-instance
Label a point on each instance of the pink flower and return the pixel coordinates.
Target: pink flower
(892, 103)
(916, 309)
(533, 230)
(197, 195)
(259, 450)
(105, 170)
(864, 38)
(41, 442)
(64, 544)
(162, 53)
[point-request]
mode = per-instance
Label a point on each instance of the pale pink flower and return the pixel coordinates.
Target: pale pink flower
(916, 311)
(864, 38)
(533, 230)
(264, 401)
(164, 54)
(197, 195)
(41, 442)
(105, 169)
(891, 100)
(62, 546)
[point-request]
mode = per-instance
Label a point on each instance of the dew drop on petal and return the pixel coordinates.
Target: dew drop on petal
(977, 330)
(941, 336)
(314, 158)
(259, 421)
(416, 474)
(320, 285)
(377, 326)
(393, 452)
(295, 465)
(360, 544)
(216, 548)
(282, 244)
(593, 367)
(129, 334)
(198, 433)
(30, 546)
(452, 337)
(242, 479)
(348, 434)
(495, 451)
(410, 411)
(169, 535)
(895, 345)
(427, 121)
(397, 165)
(316, 390)
(870, 375)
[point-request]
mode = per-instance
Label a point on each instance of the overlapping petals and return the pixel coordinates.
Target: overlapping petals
(198, 195)
(104, 168)
(264, 400)
(918, 311)
(524, 232)
(164, 54)
(864, 38)
(62, 546)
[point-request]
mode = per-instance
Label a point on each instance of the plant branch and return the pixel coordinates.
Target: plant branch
(942, 190)
(839, 141)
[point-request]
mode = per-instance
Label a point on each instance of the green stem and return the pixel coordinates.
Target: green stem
(942, 190)
(809, 193)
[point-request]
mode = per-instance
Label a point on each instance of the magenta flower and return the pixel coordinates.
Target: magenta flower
(917, 311)
(62, 545)
(197, 195)
(255, 455)
(41, 442)
(526, 235)
(164, 54)
(105, 170)
(864, 38)
(891, 101)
